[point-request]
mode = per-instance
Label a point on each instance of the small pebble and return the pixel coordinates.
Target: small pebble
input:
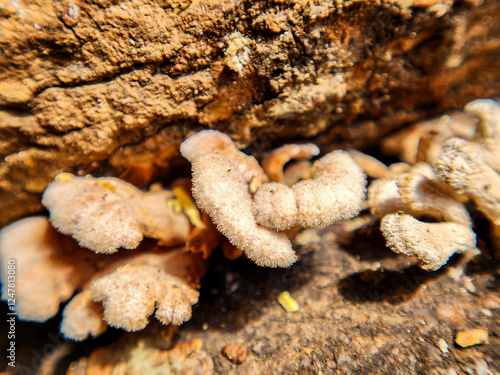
(235, 353)
(287, 302)
(472, 337)
(443, 346)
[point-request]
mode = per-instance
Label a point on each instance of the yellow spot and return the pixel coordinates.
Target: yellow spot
(188, 206)
(105, 185)
(287, 302)
(175, 205)
(472, 337)
(61, 178)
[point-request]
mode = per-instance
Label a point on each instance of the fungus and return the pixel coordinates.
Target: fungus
(203, 238)
(104, 214)
(377, 169)
(417, 193)
(82, 318)
(273, 164)
(432, 243)
(49, 267)
(213, 142)
(430, 197)
(132, 292)
(335, 192)
(423, 141)
(220, 190)
(275, 206)
(295, 172)
(488, 128)
(146, 353)
(252, 223)
(463, 166)
(131, 287)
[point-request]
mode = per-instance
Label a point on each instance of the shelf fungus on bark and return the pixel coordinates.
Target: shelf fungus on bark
(49, 267)
(465, 168)
(432, 243)
(104, 214)
(254, 223)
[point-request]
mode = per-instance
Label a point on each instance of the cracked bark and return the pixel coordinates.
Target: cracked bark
(112, 88)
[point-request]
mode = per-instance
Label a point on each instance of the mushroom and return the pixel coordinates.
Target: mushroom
(213, 142)
(253, 223)
(104, 214)
(335, 191)
(418, 193)
(464, 167)
(131, 287)
(220, 190)
(49, 267)
(274, 162)
(432, 243)
(132, 292)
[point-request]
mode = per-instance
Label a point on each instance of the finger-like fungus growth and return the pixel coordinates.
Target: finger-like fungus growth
(432, 243)
(462, 169)
(213, 142)
(82, 318)
(423, 141)
(104, 214)
(85, 316)
(463, 166)
(426, 196)
(49, 267)
(252, 224)
(273, 164)
(220, 190)
(132, 292)
(335, 192)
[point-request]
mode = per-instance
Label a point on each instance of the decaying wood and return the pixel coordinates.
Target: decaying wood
(112, 88)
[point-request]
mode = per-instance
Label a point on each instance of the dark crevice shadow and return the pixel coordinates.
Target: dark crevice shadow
(235, 292)
(36, 342)
(385, 285)
(368, 244)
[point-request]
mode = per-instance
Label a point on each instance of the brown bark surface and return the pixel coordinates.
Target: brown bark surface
(112, 88)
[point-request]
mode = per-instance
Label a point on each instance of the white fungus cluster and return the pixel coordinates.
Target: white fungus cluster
(464, 166)
(253, 222)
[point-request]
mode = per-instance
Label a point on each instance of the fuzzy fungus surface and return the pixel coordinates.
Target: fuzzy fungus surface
(252, 220)
(133, 292)
(431, 243)
(209, 142)
(154, 275)
(49, 267)
(220, 190)
(104, 214)
(464, 167)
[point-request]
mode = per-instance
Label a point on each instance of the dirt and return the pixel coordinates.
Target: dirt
(362, 310)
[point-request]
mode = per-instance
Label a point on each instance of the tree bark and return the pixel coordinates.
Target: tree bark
(112, 88)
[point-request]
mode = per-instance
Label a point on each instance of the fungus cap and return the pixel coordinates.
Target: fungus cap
(432, 243)
(221, 191)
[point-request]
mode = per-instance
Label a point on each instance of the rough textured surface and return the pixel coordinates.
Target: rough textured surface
(113, 88)
(363, 310)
